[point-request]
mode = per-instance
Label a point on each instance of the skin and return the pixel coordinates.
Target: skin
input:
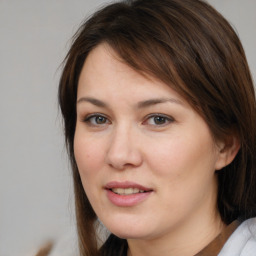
(119, 138)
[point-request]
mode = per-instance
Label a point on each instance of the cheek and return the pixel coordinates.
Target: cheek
(184, 171)
(89, 158)
(183, 159)
(88, 155)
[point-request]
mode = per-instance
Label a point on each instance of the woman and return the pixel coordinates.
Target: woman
(159, 113)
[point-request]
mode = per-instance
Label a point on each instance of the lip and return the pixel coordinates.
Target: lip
(126, 200)
(126, 184)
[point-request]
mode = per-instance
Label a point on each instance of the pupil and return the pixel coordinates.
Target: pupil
(100, 120)
(159, 120)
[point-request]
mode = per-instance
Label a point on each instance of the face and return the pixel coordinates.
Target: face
(147, 160)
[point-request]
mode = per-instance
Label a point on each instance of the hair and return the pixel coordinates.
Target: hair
(190, 47)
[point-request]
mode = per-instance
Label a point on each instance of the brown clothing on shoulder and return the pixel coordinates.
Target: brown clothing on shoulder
(213, 248)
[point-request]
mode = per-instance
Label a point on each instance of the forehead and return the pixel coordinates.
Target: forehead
(104, 71)
(103, 62)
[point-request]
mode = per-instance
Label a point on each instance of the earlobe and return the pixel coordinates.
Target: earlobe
(227, 152)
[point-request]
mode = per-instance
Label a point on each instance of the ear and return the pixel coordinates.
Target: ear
(227, 151)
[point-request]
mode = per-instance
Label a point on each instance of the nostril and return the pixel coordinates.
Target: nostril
(123, 152)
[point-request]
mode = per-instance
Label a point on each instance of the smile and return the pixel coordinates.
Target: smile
(127, 194)
(127, 191)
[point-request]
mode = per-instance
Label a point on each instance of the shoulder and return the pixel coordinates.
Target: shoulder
(243, 241)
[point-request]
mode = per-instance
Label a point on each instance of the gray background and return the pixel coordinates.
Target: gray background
(35, 181)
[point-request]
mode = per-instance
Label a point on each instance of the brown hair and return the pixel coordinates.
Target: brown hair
(189, 46)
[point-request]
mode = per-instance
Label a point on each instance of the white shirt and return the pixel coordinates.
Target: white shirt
(243, 240)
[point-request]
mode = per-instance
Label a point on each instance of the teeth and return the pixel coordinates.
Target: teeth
(126, 191)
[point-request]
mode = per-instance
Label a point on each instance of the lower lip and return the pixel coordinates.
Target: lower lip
(127, 200)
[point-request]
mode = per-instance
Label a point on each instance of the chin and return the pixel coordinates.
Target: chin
(130, 231)
(129, 235)
(129, 226)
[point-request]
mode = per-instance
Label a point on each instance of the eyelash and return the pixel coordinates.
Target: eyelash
(166, 120)
(88, 119)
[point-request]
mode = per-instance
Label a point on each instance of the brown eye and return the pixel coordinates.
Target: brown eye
(100, 119)
(96, 120)
(158, 120)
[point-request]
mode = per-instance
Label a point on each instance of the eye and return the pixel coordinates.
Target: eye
(96, 120)
(158, 120)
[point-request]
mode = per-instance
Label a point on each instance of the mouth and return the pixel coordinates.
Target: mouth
(127, 194)
(126, 188)
(127, 191)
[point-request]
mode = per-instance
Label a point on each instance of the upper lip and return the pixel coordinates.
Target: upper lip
(126, 184)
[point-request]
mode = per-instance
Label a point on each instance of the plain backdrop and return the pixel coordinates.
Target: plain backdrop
(36, 200)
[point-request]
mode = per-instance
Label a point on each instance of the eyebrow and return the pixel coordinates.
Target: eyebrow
(150, 102)
(141, 104)
(93, 101)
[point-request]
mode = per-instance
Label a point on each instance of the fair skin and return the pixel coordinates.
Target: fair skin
(132, 129)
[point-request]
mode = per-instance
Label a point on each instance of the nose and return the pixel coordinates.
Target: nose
(124, 151)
